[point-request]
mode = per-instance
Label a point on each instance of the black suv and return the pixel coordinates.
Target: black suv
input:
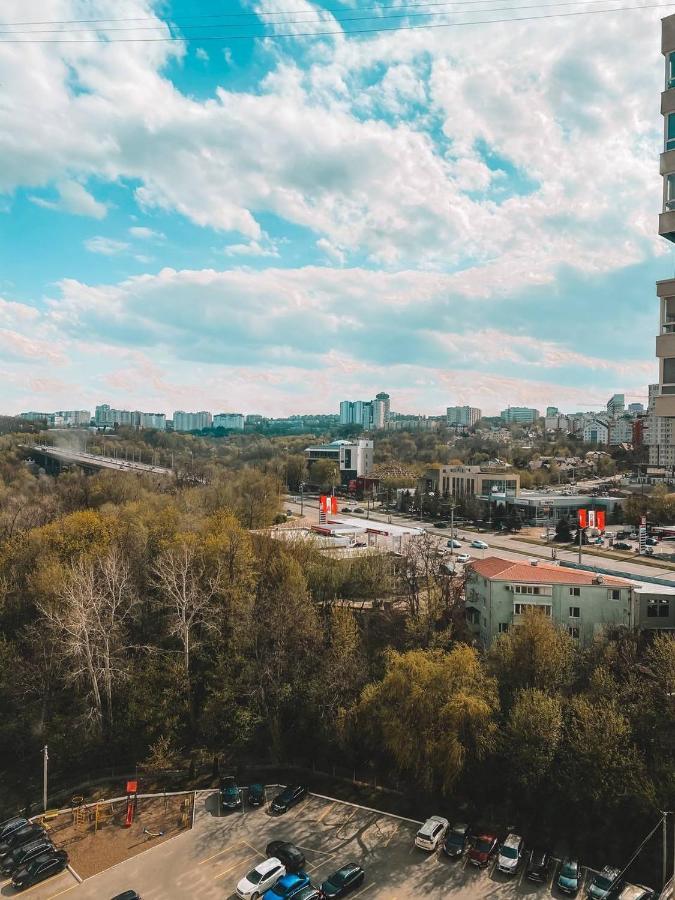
(11, 825)
(291, 795)
(537, 864)
(456, 840)
(21, 855)
(256, 795)
(288, 854)
(40, 868)
(21, 836)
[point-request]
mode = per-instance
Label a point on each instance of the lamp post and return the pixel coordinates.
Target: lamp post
(45, 760)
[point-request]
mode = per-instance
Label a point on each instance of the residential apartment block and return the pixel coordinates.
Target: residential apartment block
(112, 418)
(68, 418)
(369, 414)
(191, 421)
(234, 421)
(500, 591)
(463, 415)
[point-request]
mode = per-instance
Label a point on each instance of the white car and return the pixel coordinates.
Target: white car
(264, 876)
(431, 834)
(463, 558)
(510, 854)
(479, 545)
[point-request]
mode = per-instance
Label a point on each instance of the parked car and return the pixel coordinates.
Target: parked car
(358, 509)
(256, 794)
(265, 875)
(605, 884)
(637, 892)
(39, 869)
(308, 893)
(292, 858)
(431, 833)
(569, 876)
(510, 854)
(346, 509)
(622, 545)
(290, 795)
(463, 558)
(127, 895)
(456, 840)
(11, 825)
(484, 848)
(287, 886)
(29, 832)
(343, 881)
(454, 544)
(440, 524)
(230, 795)
(651, 542)
(537, 864)
(21, 855)
(479, 545)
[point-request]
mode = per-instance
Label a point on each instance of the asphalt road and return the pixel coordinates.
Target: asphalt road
(208, 861)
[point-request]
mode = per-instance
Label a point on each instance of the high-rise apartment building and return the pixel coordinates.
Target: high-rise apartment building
(463, 415)
(368, 414)
(234, 421)
(106, 416)
(520, 415)
(187, 421)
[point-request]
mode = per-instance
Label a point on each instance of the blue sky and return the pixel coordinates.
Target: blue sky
(455, 215)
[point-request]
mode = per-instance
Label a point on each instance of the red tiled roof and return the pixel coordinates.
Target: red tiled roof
(498, 569)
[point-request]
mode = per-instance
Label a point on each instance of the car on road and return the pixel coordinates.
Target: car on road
(637, 892)
(39, 869)
(456, 840)
(346, 509)
(265, 875)
(23, 835)
(484, 848)
(21, 855)
(569, 876)
(358, 509)
(605, 884)
(292, 858)
(510, 854)
(537, 864)
(440, 524)
(454, 544)
(463, 558)
(479, 545)
(343, 881)
(230, 795)
(622, 545)
(256, 794)
(431, 833)
(290, 795)
(11, 825)
(287, 886)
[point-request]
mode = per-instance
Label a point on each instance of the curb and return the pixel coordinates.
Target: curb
(380, 812)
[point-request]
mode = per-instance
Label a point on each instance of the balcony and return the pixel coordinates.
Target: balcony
(664, 405)
(667, 221)
(665, 287)
(667, 101)
(665, 342)
(667, 164)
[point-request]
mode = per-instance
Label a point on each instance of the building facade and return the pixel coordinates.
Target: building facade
(354, 459)
(191, 421)
(499, 592)
(112, 418)
(519, 415)
(469, 481)
(616, 405)
(68, 418)
(233, 421)
(369, 414)
(596, 432)
(463, 415)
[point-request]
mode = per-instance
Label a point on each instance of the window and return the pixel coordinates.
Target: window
(660, 608)
(575, 592)
(670, 131)
(669, 370)
(503, 627)
(670, 71)
(521, 608)
(670, 191)
(575, 612)
(615, 594)
(573, 631)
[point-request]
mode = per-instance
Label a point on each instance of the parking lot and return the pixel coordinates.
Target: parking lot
(208, 861)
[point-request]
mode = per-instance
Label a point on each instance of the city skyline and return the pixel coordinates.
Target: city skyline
(285, 224)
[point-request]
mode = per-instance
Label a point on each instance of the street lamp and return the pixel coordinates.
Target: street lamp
(45, 760)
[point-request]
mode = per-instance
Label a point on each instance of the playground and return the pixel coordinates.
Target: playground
(100, 835)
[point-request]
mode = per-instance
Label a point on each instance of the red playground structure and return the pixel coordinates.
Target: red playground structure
(132, 802)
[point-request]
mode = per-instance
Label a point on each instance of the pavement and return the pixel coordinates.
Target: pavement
(505, 546)
(208, 861)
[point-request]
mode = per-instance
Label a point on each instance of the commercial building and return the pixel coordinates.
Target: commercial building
(616, 405)
(519, 415)
(552, 411)
(635, 409)
(463, 415)
(112, 418)
(542, 508)
(500, 591)
(195, 421)
(469, 481)
(232, 421)
(354, 459)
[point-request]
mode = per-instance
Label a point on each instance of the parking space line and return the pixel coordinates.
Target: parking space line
(257, 852)
(325, 812)
(322, 862)
(363, 890)
(64, 891)
(224, 850)
(236, 865)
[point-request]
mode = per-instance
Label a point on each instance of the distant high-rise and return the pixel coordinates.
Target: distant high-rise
(635, 409)
(616, 405)
(235, 421)
(368, 414)
(188, 421)
(552, 411)
(463, 415)
(519, 415)
(107, 416)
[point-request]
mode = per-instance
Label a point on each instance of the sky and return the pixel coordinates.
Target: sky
(237, 222)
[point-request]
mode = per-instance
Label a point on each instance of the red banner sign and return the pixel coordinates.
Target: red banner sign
(583, 519)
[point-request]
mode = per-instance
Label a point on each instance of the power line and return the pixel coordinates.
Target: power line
(341, 33)
(404, 15)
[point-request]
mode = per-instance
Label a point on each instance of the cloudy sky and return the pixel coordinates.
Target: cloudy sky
(459, 214)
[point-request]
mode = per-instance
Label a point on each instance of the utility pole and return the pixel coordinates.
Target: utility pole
(580, 530)
(452, 532)
(302, 498)
(45, 760)
(664, 825)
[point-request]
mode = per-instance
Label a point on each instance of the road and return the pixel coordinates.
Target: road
(506, 546)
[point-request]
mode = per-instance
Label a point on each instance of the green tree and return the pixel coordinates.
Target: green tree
(325, 473)
(532, 736)
(563, 531)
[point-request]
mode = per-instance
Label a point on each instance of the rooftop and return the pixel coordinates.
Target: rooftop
(497, 569)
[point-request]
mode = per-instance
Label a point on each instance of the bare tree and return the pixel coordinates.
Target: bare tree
(187, 590)
(90, 614)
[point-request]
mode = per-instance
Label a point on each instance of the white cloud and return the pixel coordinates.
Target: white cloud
(332, 252)
(74, 198)
(252, 248)
(201, 54)
(146, 234)
(105, 246)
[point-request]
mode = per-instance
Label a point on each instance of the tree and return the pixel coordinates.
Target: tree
(295, 471)
(343, 669)
(433, 712)
(325, 473)
(532, 735)
(563, 531)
